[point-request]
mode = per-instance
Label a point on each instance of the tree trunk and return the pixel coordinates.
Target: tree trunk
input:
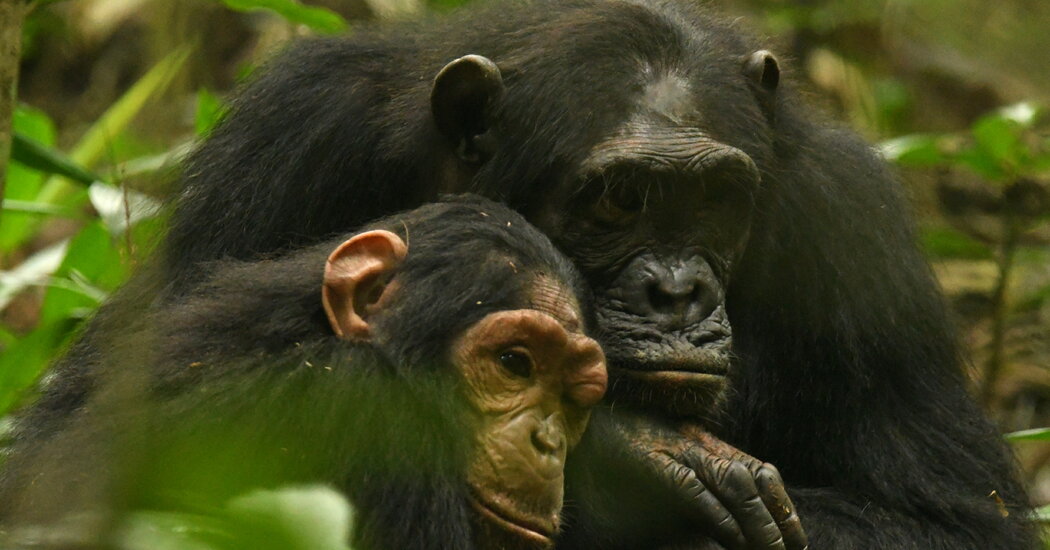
(11, 14)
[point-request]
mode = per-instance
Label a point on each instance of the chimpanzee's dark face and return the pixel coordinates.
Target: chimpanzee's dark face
(655, 216)
(650, 191)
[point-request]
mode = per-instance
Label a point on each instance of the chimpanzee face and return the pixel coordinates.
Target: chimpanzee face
(660, 215)
(655, 208)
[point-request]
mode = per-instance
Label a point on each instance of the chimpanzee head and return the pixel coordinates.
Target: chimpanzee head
(471, 283)
(649, 184)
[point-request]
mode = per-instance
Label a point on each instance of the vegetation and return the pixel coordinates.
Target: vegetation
(90, 148)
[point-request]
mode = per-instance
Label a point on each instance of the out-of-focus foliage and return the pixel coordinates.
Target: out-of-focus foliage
(318, 19)
(115, 91)
(311, 518)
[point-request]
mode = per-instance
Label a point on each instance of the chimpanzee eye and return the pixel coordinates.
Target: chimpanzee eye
(619, 205)
(516, 363)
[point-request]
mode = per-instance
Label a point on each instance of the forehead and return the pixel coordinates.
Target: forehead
(550, 296)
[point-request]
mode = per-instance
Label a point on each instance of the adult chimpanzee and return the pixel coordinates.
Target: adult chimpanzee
(434, 367)
(659, 150)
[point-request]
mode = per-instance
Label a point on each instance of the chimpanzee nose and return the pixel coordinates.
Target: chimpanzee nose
(675, 294)
(548, 437)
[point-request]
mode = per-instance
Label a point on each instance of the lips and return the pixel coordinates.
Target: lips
(530, 528)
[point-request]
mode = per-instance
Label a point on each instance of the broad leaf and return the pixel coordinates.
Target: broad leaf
(319, 19)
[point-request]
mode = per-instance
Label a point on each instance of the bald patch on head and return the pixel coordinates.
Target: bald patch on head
(669, 96)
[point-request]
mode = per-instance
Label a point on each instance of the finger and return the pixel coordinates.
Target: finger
(702, 505)
(774, 495)
(734, 485)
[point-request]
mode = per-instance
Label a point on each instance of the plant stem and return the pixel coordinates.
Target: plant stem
(1000, 305)
(12, 12)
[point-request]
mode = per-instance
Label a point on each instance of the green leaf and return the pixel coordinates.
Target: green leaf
(23, 183)
(94, 263)
(1036, 434)
(981, 162)
(914, 150)
(90, 148)
(30, 207)
(942, 242)
(23, 363)
(40, 157)
(319, 19)
(1000, 139)
(209, 111)
(296, 518)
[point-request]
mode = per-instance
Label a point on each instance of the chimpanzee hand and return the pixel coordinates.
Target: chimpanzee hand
(737, 499)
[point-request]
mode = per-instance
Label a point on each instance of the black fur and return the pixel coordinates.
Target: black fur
(849, 378)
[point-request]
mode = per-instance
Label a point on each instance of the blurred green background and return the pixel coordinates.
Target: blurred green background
(111, 93)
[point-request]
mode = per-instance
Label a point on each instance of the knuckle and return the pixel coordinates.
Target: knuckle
(738, 475)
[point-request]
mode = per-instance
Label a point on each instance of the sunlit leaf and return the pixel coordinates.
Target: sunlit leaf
(121, 207)
(319, 19)
(1037, 434)
(913, 150)
(33, 271)
(1024, 113)
(310, 518)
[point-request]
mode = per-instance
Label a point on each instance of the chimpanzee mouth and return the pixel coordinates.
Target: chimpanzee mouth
(533, 529)
(674, 357)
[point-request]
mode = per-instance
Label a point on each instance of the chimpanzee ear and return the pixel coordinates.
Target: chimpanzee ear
(355, 281)
(465, 95)
(763, 70)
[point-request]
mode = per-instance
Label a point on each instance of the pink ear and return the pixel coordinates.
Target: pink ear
(355, 278)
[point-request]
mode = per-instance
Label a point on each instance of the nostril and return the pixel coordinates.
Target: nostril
(660, 301)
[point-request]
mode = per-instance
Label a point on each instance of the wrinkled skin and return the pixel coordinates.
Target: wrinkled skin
(531, 382)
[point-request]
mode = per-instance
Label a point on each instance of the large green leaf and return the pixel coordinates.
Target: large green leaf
(23, 182)
(319, 19)
(297, 518)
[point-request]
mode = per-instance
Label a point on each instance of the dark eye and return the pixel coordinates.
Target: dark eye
(613, 202)
(516, 363)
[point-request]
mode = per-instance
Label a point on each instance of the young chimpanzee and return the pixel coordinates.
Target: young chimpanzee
(433, 366)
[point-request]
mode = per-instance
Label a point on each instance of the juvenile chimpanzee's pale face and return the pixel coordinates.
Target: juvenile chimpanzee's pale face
(531, 377)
